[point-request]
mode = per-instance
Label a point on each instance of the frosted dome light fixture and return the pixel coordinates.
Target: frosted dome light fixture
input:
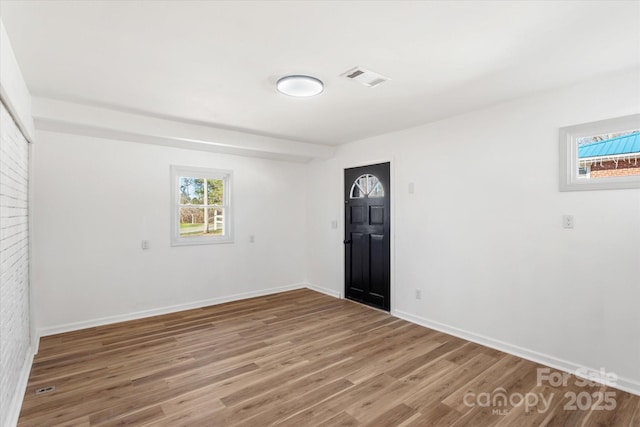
(300, 86)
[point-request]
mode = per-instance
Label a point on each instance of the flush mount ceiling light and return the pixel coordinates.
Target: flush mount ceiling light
(300, 86)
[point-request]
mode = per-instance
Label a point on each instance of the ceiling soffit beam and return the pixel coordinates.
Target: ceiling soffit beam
(78, 119)
(14, 93)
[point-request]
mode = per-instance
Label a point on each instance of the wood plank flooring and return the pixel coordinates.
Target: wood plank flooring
(297, 359)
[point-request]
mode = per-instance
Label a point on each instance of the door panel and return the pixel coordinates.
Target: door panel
(357, 260)
(367, 228)
(376, 215)
(377, 277)
(357, 214)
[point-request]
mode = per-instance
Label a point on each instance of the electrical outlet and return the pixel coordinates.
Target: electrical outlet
(252, 239)
(145, 244)
(418, 294)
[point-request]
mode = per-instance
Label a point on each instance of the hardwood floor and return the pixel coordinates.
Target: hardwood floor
(298, 358)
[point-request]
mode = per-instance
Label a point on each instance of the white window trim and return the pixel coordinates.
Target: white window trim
(569, 180)
(205, 173)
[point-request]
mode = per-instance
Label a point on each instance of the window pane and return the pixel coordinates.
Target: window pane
(191, 191)
(372, 181)
(215, 194)
(377, 191)
(199, 191)
(356, 192)
(367, 185)
(187, 191)
(609, 155)
(192, 221)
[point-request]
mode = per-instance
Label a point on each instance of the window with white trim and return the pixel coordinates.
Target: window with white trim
(201, 206)
(601, 155)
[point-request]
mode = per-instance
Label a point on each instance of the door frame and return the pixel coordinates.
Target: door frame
(392, 225)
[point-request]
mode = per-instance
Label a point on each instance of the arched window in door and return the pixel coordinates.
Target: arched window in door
(366, 186)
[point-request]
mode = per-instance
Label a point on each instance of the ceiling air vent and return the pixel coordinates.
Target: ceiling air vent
(365, 77)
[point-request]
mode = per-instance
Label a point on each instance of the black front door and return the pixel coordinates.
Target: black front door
(367, 225)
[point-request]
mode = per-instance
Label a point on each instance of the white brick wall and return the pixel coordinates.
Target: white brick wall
(14, 261)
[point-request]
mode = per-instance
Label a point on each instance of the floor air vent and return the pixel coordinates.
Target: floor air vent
(46, 389)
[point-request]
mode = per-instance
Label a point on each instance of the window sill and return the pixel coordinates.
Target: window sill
(196, 241)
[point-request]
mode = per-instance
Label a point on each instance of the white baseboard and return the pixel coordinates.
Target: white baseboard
(322, 289)
(623, 384)
(13, 410)
(74, 326)
(36, 344)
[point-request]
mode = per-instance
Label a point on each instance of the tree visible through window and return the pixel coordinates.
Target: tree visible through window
(202, 210)
(201, 206)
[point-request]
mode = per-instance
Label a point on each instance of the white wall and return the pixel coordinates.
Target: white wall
(15, 340)
(96, 199)
(482, 236)
(16, 129)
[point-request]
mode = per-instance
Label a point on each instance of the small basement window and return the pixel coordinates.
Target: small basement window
(201, 206)
(601, 155)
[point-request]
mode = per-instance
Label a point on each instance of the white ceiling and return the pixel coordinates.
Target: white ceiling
(217, 62)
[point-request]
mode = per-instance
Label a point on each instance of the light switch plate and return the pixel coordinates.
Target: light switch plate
(567, 221)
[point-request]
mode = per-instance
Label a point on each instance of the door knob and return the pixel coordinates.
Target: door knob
(346, 242)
